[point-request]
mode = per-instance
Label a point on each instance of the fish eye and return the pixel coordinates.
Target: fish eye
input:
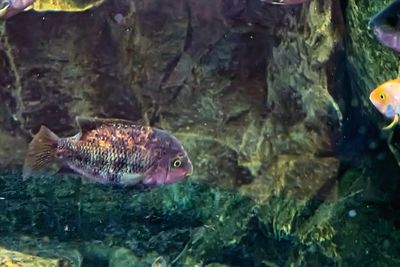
(392, 20)
(177, 163)
(382, 96)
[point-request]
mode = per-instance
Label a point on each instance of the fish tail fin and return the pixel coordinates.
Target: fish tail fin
(41, 152)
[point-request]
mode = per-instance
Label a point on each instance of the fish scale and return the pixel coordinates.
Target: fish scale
(112, 151)
(108, 162)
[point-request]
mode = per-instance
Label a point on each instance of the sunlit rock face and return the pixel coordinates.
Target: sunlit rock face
(247, 86)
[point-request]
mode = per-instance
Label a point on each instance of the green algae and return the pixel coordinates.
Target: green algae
(186, 220)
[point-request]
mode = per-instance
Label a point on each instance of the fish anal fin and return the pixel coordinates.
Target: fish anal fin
(393, 123)
(41, 154)
(129, 179)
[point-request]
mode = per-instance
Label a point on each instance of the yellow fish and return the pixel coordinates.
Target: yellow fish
(65, 5)
(13, 7)
(386, 99)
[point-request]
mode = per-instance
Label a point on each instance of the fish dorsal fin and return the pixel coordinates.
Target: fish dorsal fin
(87, 124)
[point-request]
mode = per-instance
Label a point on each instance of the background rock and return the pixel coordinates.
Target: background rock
(256, 92)
(208, 73)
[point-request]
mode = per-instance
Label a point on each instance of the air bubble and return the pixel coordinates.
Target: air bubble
(352, 213)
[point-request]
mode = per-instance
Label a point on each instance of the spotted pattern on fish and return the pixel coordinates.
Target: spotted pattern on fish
(109, 151)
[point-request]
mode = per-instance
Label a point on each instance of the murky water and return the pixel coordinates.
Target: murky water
(245, 133)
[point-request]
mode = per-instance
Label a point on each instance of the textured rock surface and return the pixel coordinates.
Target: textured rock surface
(208, 73)
(97, 224)
(9, 258)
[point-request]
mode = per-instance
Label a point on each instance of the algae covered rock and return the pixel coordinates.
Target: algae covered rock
(9, 258)
(195, 71)
(247, 89)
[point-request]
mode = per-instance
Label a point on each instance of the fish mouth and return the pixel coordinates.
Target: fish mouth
(372, 99)
(190, 171)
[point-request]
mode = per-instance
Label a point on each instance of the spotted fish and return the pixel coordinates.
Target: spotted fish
(111, 151)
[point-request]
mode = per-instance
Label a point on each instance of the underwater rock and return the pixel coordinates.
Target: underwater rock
(62, 79)
(9, 258)
(244, 86)
(125, 257)
(183, 70)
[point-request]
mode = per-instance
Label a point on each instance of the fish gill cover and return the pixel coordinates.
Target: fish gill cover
(257, 94)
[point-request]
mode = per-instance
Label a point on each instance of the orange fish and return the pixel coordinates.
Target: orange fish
(386, 99)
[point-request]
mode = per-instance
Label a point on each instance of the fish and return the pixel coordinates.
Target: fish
(159, 262)
(110, 151)
(10, 8)
(385, 26)
(386, 99)
(284, 2)
(65, 6)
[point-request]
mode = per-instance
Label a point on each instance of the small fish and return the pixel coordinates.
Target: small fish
(159, 262)
(111, 151)
(386, 99)
(9, 8)
(386, 26)
(284, 2)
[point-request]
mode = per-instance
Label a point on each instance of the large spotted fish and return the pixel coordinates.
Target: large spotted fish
(111, 151)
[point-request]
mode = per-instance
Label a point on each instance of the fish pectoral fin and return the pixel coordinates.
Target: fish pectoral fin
(393, 123)
(131, 178)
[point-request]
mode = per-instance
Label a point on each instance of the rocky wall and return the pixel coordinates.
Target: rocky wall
(245, 85)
